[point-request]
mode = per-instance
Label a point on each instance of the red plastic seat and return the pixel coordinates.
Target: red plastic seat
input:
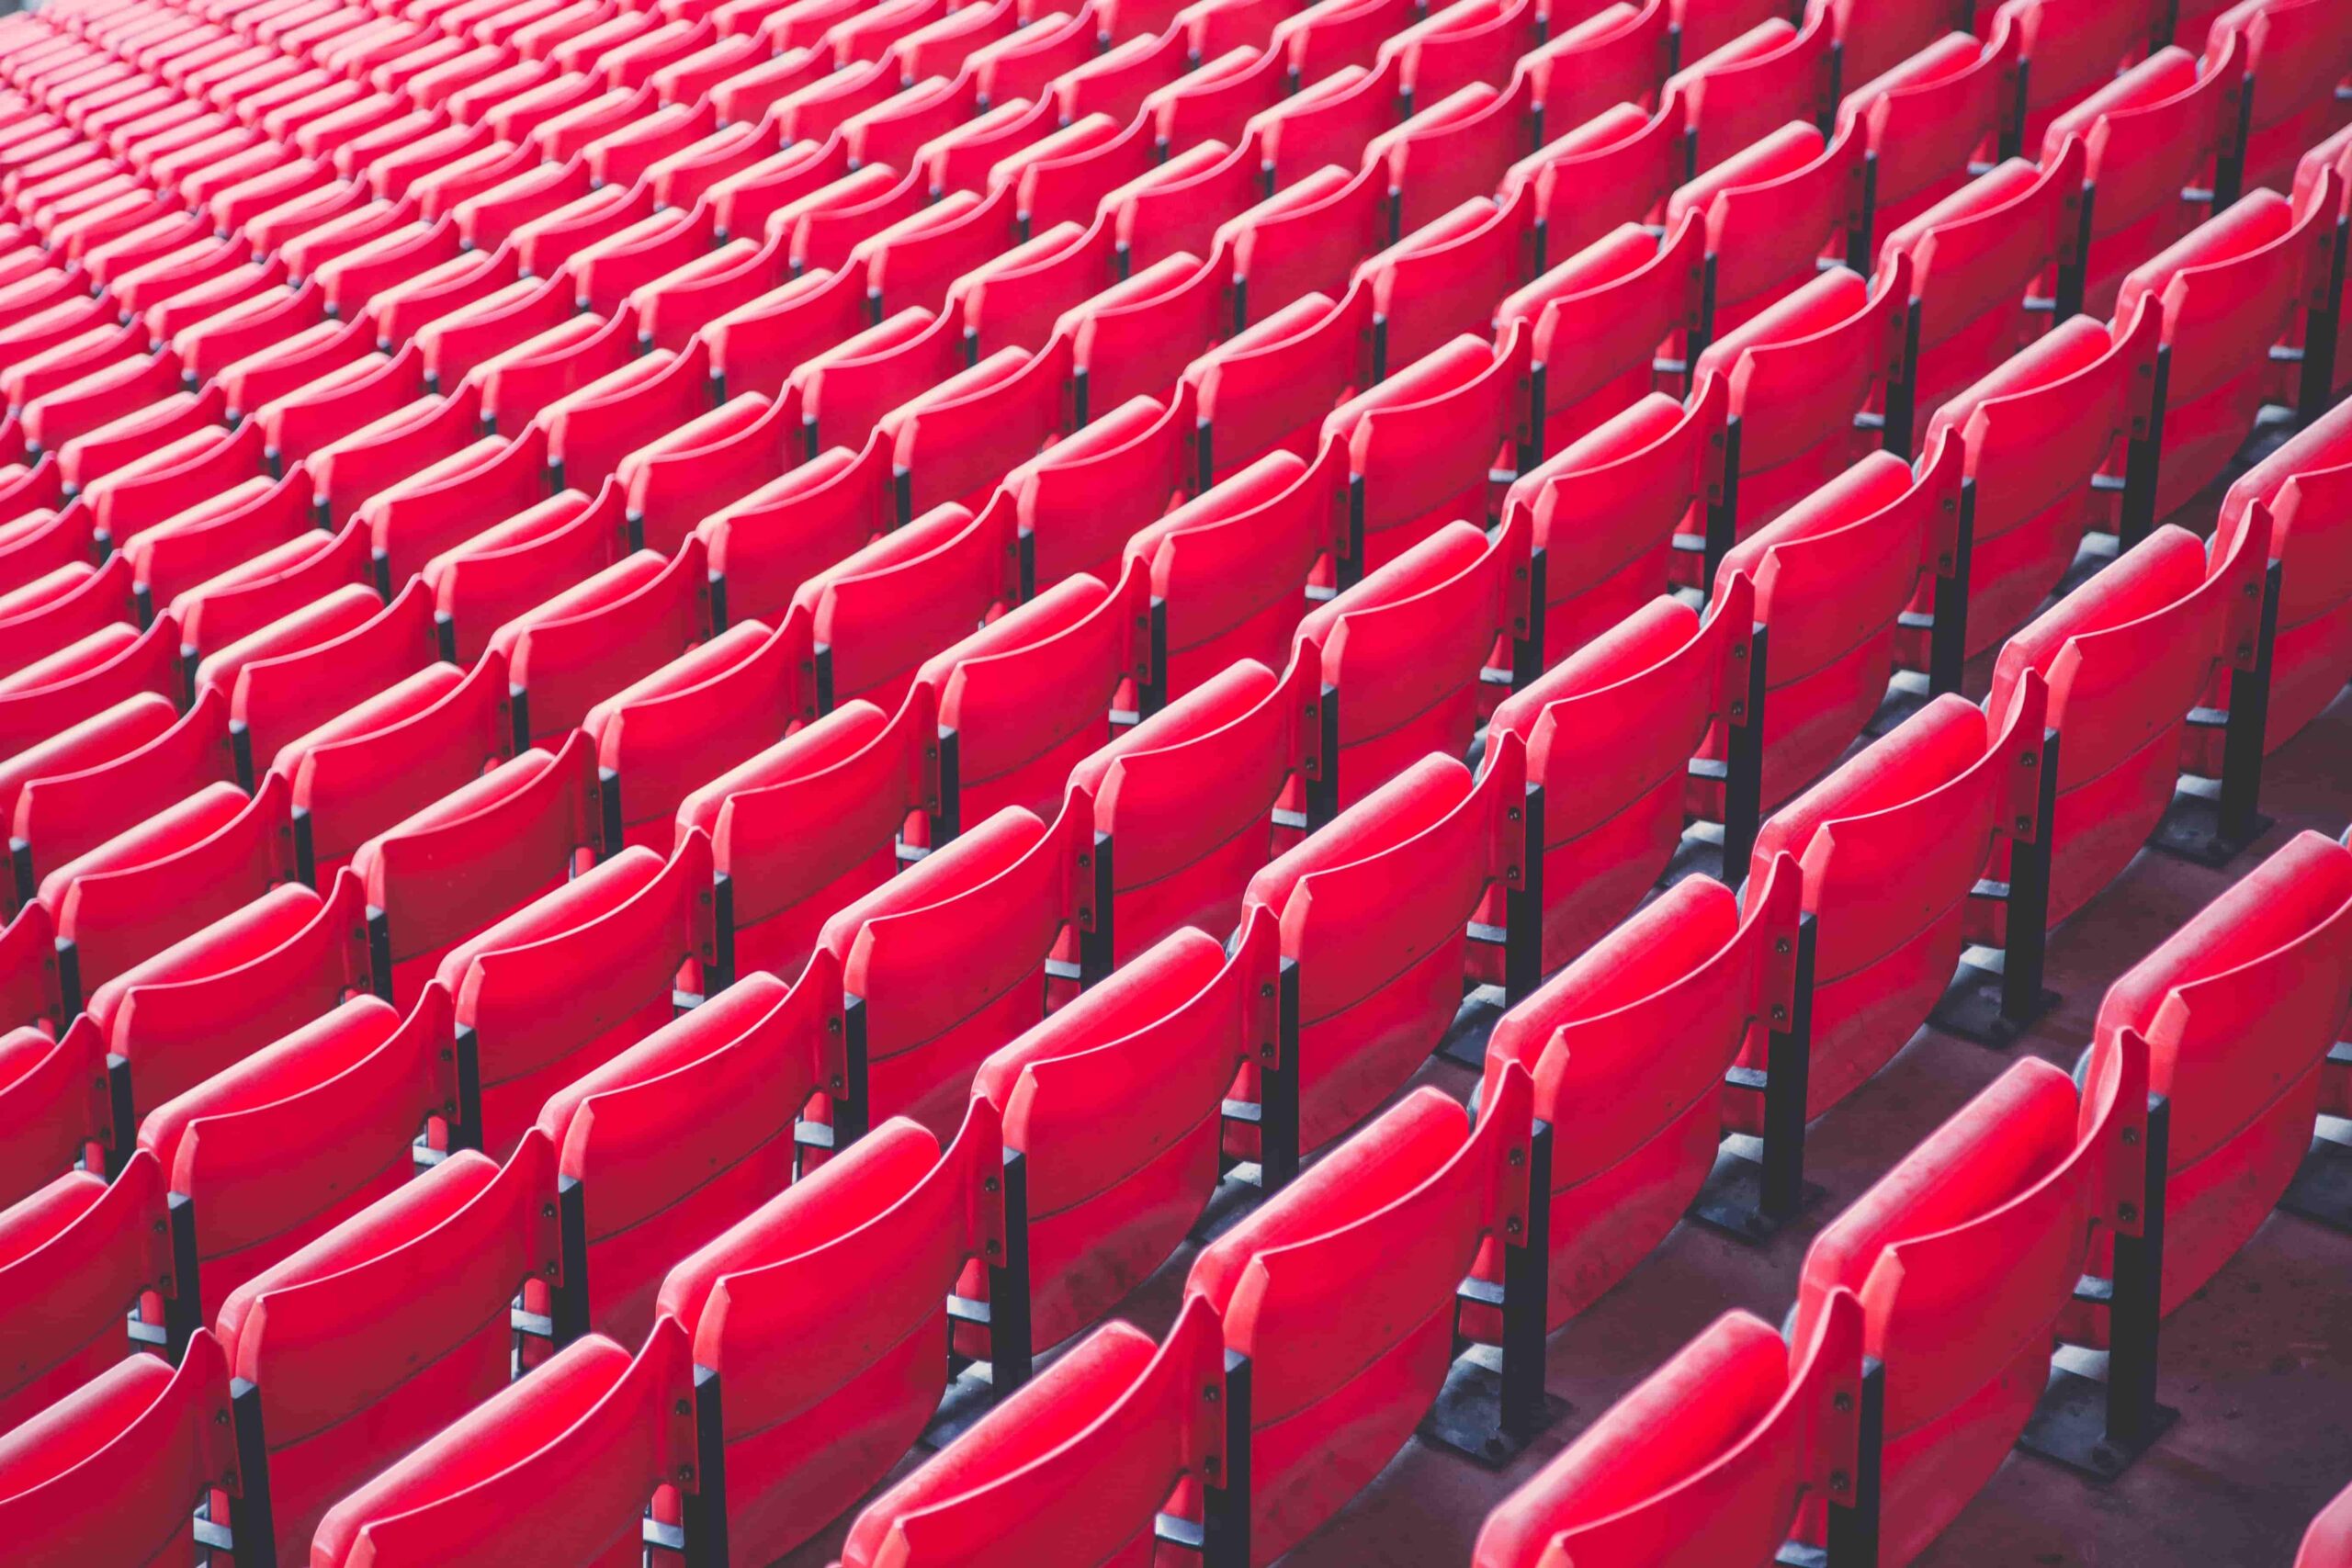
(987, 908)
(64, 811)
(1394, 1215)
(703, 713)
(1708, 1460)
(1974, 257)
(1380, 974)
(1831, 575)
(278, 1149)
(1459, 149)
(2228, 292)
(75, 1256)
(2126, 655)
(1405, 651)
(877, 615)
(1700, 968)
(296, 1332)
(569, 980)
(1771, 212)
(474, 855)
(818, 1404)
(1891, 845)
(2036, 432)
(1137, 337)
(810, 824)
(559, 1466)
(2239, 1007)
(2017, 1178)
(1304, 241)
(163, 880)
(114, 1471)
(2302, 486)
(1775, 72)
(1268, 386)
(1424, 444)
(1928, 107)
(2336, 153)
(762, 547)
(2148, 136)
(1597, 322)
(2297, 54)
(1078, 1461)
(1187, 800)
(952, 443)
(598, 636)
(1609, 733)
(1800, 375)
(665, 1146)
(412, 521)
(1029, 696)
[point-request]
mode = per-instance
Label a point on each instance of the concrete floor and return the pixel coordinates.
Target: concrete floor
(2259, 1363)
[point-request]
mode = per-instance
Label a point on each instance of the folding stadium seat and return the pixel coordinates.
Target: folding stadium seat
(810, 824)
(1610, 734)
(75, 1256)
(1774, 73)
(2228, 292)
(1698, 967)
(454, 343)
(279, 701)
(431, 1356)
(1928, 111)
(1966, 1346)
(163, 880)
(1892, 844)
(151, 490)
(877, 614)
(1332, 1394)
(560, 1465)
(1216, 100)
(1404, 650)
(1710, 1458)
(101, 670)
(571, 979)
(2335, 153)
(2296, 54)
(61, 608)
(64, 813)
(1016, 296)
(286, 1144)
(737, 1071)
(1440, 281)
(762, 547)
(160, 1430)
(2239, 1009)
(1303, 241)
(1328, 122)
(2126, 656)
(1832, 575)
(1974, 257)
(844, 392)
(1079, 1460)
(951, 444)
(1771, 212)
(2149, 135)
(468, 859)
(922, 1045)
(517, 383)
(1140, 336)
(2037, 433)
(1800, 378)
(1114, 1178)
(817, 1407)
(1029, 696)
(1064, 177)
(1181, 205)
(1269, 386)
(2302, 486)
(1449, 837)
(1597, 322)
(1230, 568)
